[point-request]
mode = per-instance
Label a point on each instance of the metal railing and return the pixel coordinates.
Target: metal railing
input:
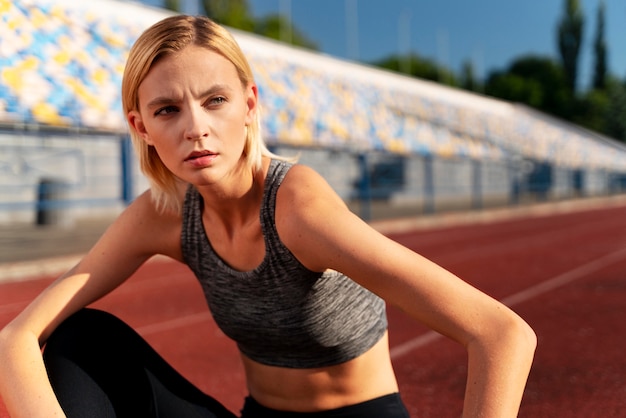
(57, 177)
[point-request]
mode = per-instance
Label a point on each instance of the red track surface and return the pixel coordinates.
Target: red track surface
(566, 275)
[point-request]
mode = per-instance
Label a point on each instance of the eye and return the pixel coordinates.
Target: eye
(166, 110)
(216, 101)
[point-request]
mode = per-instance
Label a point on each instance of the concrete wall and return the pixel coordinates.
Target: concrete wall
(88, 171)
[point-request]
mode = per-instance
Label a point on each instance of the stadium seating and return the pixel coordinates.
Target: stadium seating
(61, 64)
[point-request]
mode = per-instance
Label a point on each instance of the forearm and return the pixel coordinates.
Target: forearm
(24, 384)
(498, 369)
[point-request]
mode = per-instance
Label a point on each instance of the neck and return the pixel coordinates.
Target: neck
(235, 202)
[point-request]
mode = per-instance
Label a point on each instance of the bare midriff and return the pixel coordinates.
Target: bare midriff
(307, 390)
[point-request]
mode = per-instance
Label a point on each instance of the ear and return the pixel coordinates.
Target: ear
(252, 99)
(136, 123)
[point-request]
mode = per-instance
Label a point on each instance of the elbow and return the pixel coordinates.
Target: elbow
(516, 335)
(11, 337)
(509, 335)
(531, 337)
(4, 337)
(525, 335)
(7, 340)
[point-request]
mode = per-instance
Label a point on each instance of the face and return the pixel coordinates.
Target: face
(194, 110)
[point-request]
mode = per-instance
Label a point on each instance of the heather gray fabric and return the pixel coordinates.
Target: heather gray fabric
(281, 313)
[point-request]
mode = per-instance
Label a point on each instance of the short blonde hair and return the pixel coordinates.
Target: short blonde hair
(166, 37)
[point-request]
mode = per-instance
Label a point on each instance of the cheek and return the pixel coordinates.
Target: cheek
(166, 158)
(162, 136)
(164, 148)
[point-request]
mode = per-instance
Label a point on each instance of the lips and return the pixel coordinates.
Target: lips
(200, 159)
(199, 154)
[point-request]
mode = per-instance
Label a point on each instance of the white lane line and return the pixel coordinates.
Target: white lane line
(413, 344)
(550, 284)
(565, 278)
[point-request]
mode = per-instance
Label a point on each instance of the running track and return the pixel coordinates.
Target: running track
(565, 274)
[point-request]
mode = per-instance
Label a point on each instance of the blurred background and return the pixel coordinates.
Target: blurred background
(406, 107)
(410, 109)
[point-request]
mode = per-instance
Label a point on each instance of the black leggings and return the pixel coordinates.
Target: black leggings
(100, 367)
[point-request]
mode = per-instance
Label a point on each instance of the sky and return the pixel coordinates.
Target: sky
(489, 33)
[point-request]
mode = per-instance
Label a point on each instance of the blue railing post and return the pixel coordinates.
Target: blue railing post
(477, 185)
(365, 191)
(126, 162)
(429, 185)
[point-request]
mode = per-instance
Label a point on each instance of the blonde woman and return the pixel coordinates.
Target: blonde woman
(289, 273)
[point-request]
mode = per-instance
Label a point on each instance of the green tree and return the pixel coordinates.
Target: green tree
(600, 51)
(272, 26)
(536, 81)
(570, 34)
(603, 111)
(514, 88)
(236, 14)
(232, 13)
(592, 111)
(468, 77)
(173, 5)
(616, 114)
(415, 66)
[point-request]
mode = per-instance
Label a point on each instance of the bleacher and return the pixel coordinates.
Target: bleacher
(61, 64)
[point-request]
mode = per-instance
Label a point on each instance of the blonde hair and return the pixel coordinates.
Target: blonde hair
(164, 38)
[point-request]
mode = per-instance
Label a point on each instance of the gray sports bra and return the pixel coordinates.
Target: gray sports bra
(281, 313)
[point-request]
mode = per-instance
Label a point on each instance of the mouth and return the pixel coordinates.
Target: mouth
(201, 159)
(199, 154)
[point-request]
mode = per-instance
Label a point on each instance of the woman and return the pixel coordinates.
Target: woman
(289, 273)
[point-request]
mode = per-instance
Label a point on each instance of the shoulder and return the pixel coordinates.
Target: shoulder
(146, 212)
(145, 229)
(304, 195)
(310, 214)
(303, 184)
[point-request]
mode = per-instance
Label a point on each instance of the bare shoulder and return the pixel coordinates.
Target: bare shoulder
(304, 198)
(142, 231)
(310, 214)
(305, 186)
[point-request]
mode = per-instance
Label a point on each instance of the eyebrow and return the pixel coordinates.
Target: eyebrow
(168, 100)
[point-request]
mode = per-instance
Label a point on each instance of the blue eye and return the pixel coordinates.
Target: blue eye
(217, 100)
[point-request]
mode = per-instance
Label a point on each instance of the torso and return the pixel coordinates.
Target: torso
(302, 389)
(306, 390)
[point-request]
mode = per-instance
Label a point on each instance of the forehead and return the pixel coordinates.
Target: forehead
(191, 67)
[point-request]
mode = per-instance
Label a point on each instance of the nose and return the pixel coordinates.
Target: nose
(196, 124)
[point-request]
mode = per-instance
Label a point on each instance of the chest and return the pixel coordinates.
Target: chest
(241, 250)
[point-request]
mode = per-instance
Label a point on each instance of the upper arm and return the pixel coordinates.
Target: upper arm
(322, 233)
(137, 234)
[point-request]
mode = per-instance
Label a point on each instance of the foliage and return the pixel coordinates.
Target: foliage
(536, 81)
(469, 80)
(570, 34)
(233, 13)
(616, 112)
(280, 28)
(236, 14)
(548, 85)
(599, 46)
(416, 66)
(542, 83)
(172, 4)
(592, 110)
